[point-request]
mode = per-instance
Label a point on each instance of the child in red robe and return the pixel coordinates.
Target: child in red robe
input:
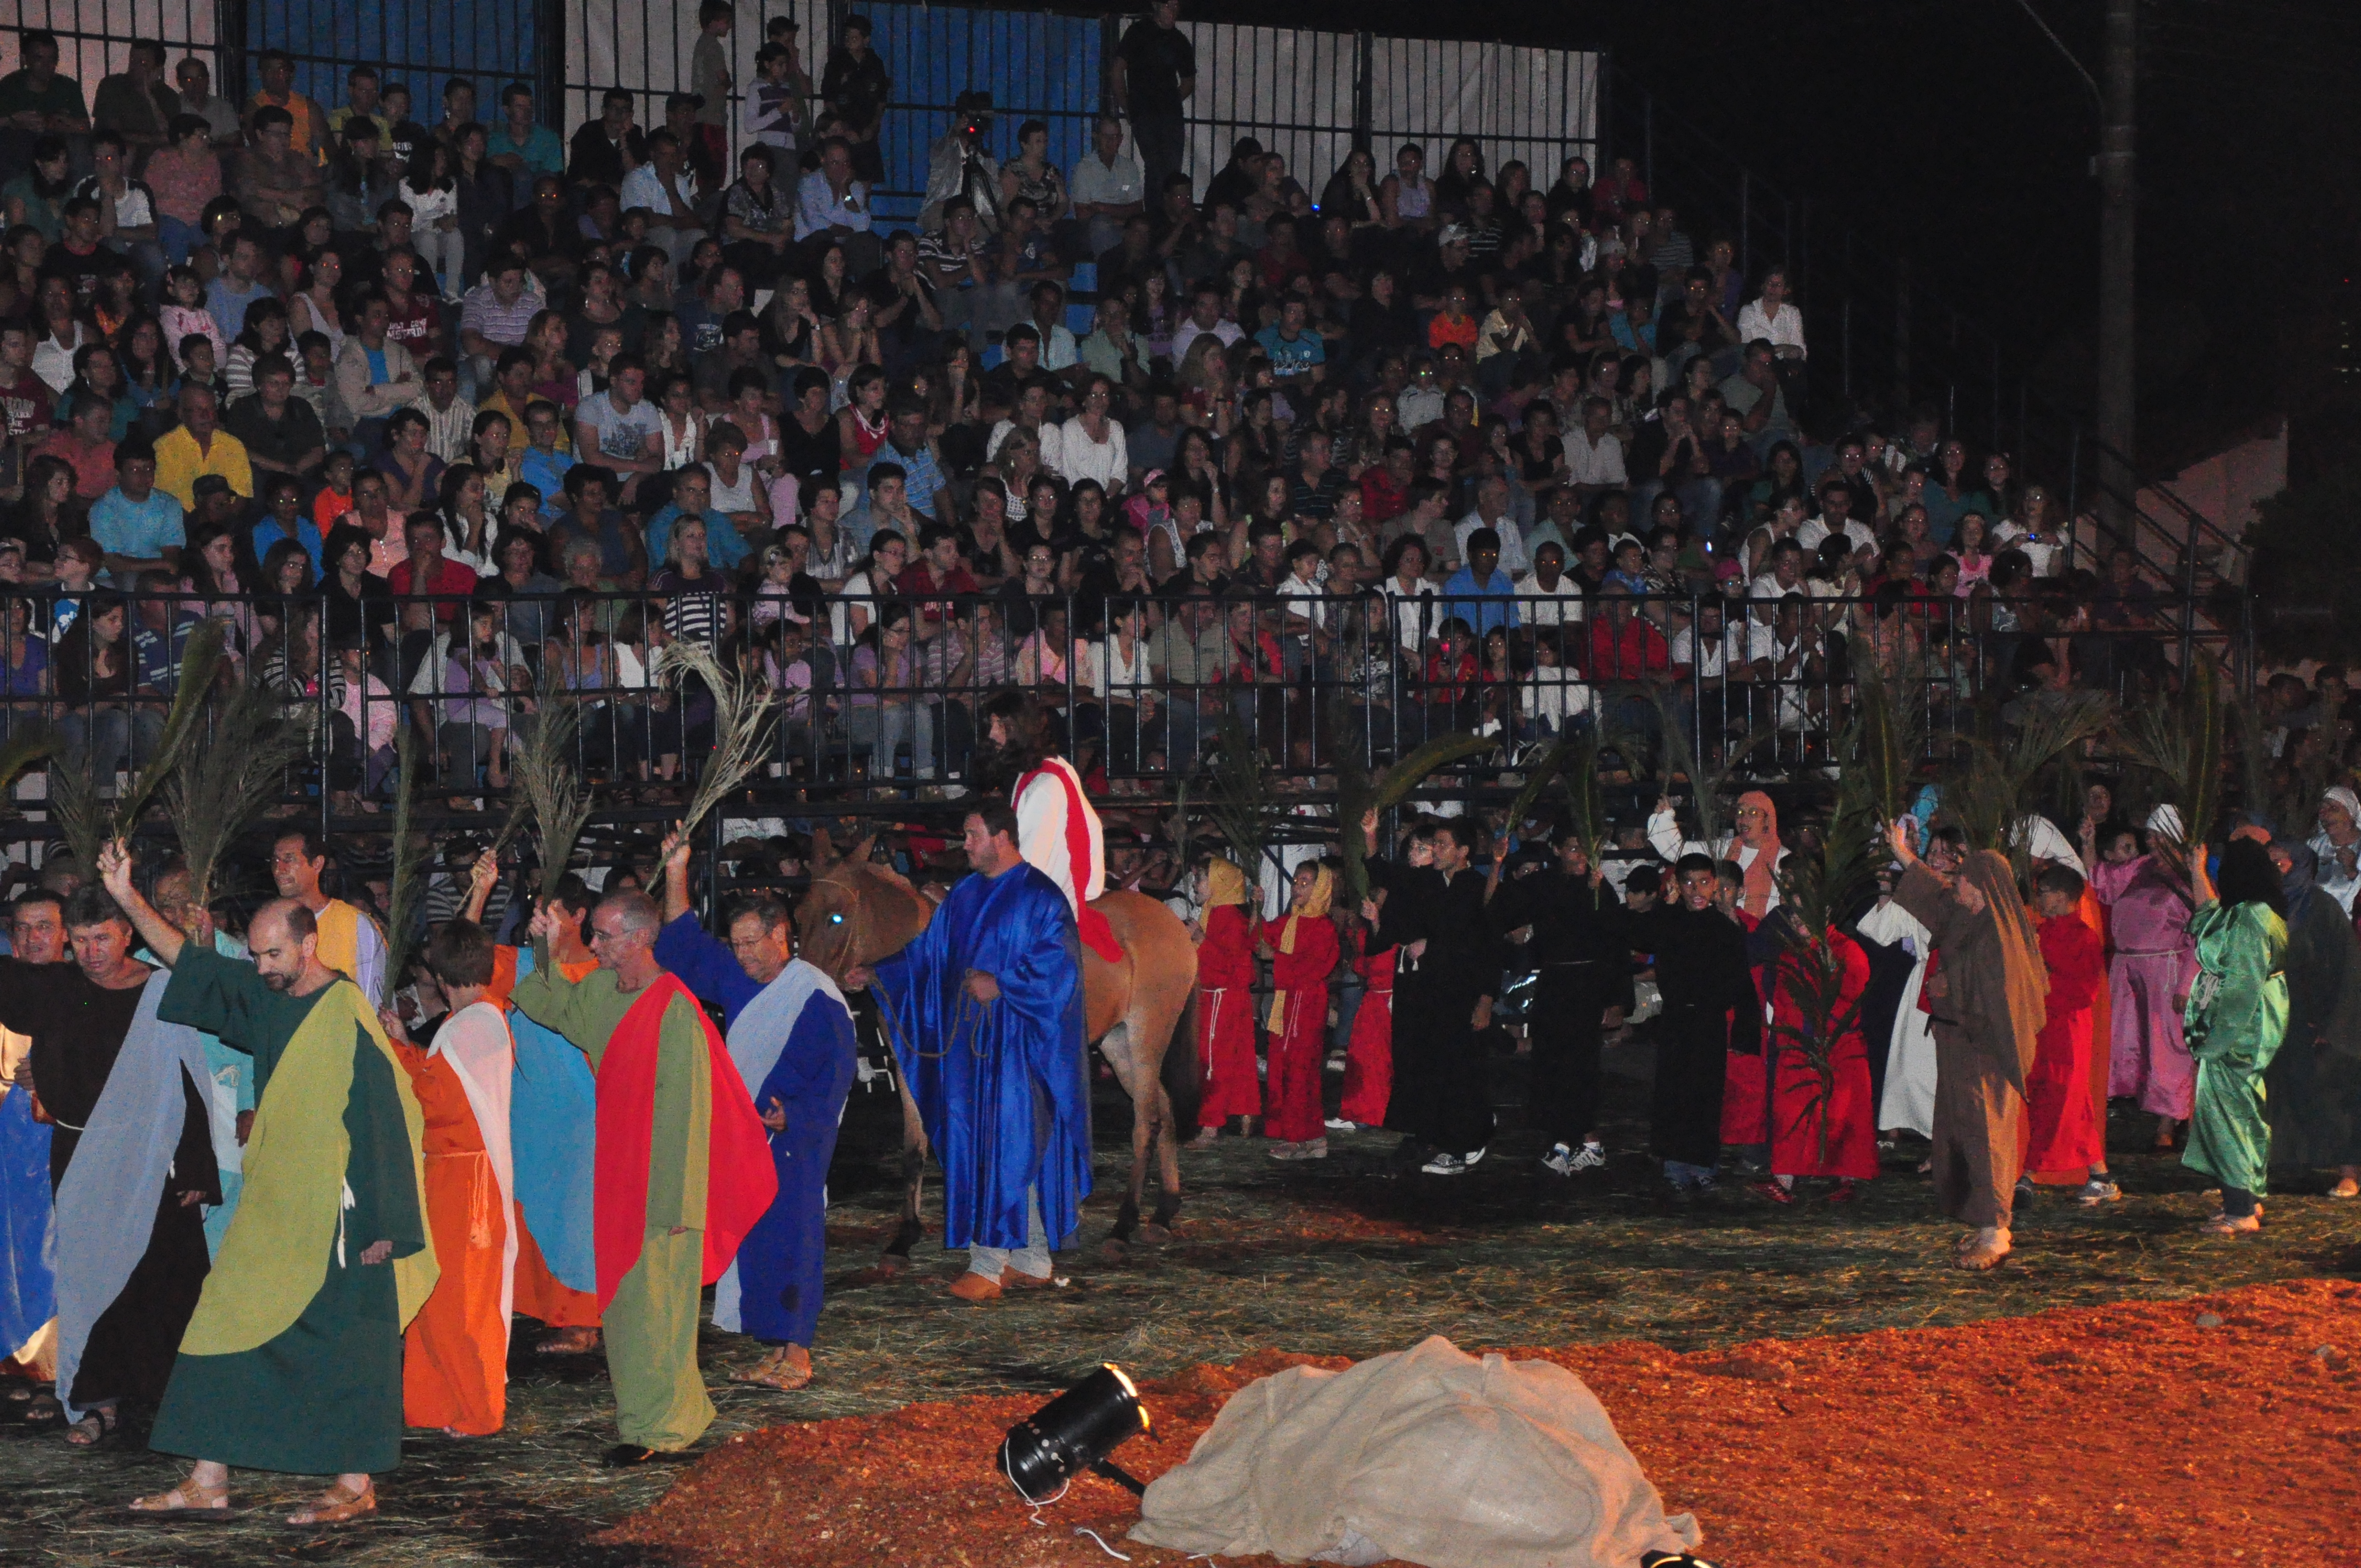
(1820, 1127)
(1303, 954)
(1370, 1053)
(1225, 977)
(2062, 1125)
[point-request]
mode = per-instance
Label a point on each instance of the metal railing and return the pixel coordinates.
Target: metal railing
(878, 699)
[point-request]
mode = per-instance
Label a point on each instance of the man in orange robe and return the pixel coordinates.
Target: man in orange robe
(456, 1351)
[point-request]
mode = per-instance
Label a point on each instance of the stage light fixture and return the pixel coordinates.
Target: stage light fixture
(1074, 1433)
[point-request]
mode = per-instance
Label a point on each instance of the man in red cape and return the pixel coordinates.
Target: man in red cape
(684, 1168)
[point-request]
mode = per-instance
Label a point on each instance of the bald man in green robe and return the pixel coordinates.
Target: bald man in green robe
(650, 1309)
(293, 1359)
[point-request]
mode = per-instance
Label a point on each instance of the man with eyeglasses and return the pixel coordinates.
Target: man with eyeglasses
(350, 942)
(685, 1168)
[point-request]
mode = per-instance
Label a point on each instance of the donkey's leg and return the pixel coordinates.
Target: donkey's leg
(1119, 1046)
(914, 1180)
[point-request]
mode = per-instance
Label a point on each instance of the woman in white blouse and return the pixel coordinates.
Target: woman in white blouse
(1770, 316)
(1090, 445)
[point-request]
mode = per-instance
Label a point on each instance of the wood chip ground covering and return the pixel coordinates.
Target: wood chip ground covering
(2217, 1431)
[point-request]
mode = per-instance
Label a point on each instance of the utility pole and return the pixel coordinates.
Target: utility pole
(2118, 364)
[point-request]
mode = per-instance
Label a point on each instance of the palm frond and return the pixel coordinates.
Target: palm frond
(81, 817)
(548, 789)
(1586, 801)
(1992, 785)
(406, 884)
(1387, 792)
(28, 743)
(1238, 801)
(742, 715)
(217, 789)
(201, 666)
(1541, 771)
(2182, 744)
(1888, 734)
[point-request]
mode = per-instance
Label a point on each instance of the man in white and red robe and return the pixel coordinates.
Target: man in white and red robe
(1057, 828)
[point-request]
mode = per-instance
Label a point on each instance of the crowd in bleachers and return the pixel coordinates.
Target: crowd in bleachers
(386, 385)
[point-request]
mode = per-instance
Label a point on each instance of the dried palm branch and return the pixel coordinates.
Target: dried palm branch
(1541, 771)
(1389, 792)
(202, 661)
(1819, 894)
(221, 786)
(2182, 745)
(1238, 801)
(406, 884)
(81, 817)
(31, 742)
(2254, 791)
(1992, 787)
(1888, 733)
(1586, 803)
(742, 715)
(547, 786)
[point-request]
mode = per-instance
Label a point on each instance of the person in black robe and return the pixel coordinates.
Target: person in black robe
(1443, 1000)
(2312, 1088)
(1711, 1008)
(1582, 966)
(78, 1025)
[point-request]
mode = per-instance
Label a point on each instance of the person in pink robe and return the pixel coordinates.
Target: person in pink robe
(2155, 963)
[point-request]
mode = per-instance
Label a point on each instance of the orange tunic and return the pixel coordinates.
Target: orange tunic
(539, 1294)
(454, 1353)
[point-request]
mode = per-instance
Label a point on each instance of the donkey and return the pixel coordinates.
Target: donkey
(856, 912)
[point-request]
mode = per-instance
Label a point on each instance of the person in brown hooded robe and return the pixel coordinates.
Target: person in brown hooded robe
(1986, 1031)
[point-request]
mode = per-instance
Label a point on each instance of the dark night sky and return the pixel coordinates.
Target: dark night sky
(1953, 128)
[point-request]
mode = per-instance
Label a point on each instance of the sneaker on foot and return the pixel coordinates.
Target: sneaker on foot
(2026, 1190)
(1559, 1161)
(1474, 1158)
(1589, 1157)
(1445, 1165)
(1338, 1124)
(2098, 1191)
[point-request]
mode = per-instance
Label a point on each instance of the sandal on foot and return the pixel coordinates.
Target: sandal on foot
(188, 1498)
(85, 1432)
(335, 1505)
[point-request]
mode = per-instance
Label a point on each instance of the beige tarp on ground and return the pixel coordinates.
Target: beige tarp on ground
(1428, 1455)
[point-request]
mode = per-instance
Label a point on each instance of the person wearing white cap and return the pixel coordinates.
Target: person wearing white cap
(2338, 845)
(2155, 963)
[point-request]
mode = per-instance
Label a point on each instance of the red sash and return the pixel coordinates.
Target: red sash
(740, 1181)
(1096, 934)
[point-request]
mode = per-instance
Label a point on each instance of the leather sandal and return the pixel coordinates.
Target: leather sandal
(337, 1505)
(973, 1287)
(188, 1498)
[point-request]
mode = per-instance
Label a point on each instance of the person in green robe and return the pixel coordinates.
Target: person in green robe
(2235, 1017)
(650, 1306)
(293, 1359)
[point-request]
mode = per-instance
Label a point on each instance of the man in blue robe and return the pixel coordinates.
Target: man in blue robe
(791, 1035)
(984, 1011)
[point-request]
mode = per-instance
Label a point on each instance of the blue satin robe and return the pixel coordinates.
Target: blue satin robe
(782, 1262)
(554, 1132)
(1003, 1087)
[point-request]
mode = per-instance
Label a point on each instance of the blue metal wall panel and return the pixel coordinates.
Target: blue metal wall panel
(1036, 66)
(421, 43)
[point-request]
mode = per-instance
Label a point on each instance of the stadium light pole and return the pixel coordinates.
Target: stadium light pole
(2118, 361)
